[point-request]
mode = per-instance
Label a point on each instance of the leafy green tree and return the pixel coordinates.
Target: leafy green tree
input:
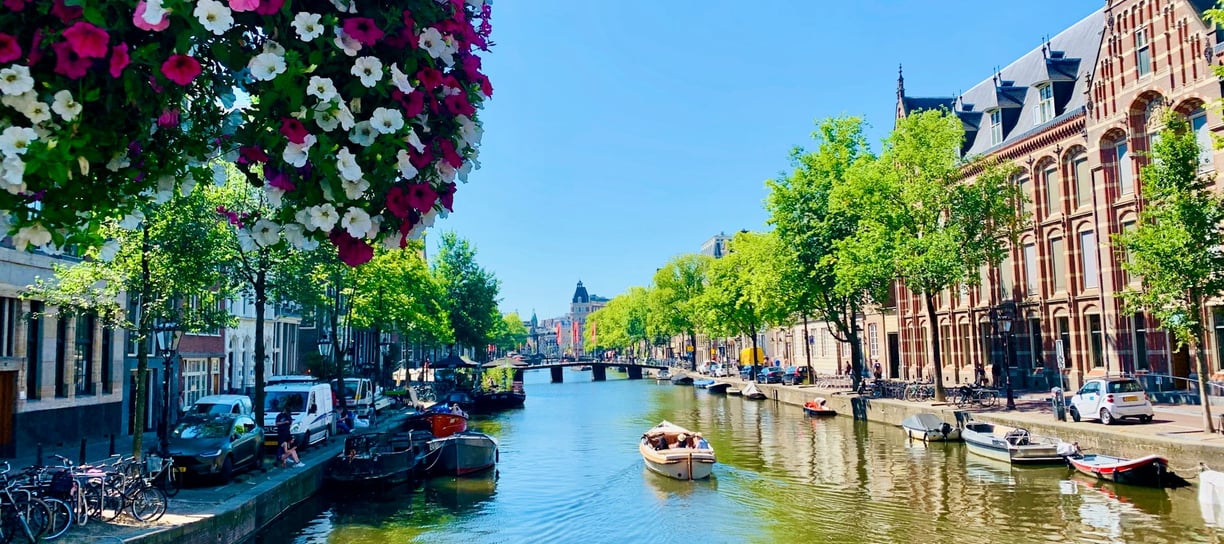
(815, 210)
(169, 260)
(938, 226)
(622, 323)
(1177, 249)
(675, 298)
(470, 291)
(510, 332)
(743, 294)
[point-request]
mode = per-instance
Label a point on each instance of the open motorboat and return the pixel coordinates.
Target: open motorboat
(664, 450)
(703, 384)
(440, 421)
(371, 461)
(663, 375)
(719, 387)
(818, 408)
(1011, 444)
(751, 391)
(929, 428)
(462, 453)
(1151, 470)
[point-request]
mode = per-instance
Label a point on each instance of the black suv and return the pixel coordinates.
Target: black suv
(795, 375)
(772, 374)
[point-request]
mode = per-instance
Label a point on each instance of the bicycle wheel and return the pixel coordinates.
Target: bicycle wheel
(36, 513)
(61, 517)
(170, 481)
(148, 504)
(991, 398)
(911, 394)
(103, 501)
(80, 511)
(13, 523)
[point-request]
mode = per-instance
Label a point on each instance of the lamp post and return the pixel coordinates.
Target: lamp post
(168, 336)
(1005, 324)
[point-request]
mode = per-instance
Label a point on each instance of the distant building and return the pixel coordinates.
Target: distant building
(582, 305)
(716, 246)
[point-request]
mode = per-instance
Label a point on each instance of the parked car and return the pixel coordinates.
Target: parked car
(746, 372)
(718, 370)
(222, 404)
(1111, 399)
(216, 444)
(794, 375)
(771, 374)
(312, 405)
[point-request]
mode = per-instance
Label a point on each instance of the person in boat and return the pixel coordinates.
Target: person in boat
(700, 442)
(659, 442)
(682, 442)
(455, 409)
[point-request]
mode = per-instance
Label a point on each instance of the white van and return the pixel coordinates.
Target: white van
(363, 397)
(311, 405)
(222, 404)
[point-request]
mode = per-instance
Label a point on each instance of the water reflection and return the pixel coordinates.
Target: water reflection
(462, 495)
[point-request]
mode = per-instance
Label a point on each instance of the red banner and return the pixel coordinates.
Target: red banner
(558, 334)
(574, 333)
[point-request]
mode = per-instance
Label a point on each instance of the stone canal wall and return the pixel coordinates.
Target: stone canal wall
(1124, 440)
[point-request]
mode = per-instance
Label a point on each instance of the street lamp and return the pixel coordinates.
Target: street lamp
(167, 335)
(325, 347)
(1005, 324)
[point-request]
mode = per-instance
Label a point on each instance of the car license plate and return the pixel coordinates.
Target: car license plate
(180, 469)
(1130, 398)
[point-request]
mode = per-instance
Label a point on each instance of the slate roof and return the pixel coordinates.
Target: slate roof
(580, 295)
(1064, 62)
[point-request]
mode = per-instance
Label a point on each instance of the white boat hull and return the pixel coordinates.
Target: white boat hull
(932, 435)
(994, 442)
(678, 463)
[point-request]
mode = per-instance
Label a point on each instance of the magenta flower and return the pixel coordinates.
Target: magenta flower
(15, 5)
(66, 13)
(447, 196)
(168, 118)
(181, 69)
(429, 78)
(119, 60)
(449, 155)
(251, 154)
(397, 202)
(87, 40)
(68, 63)
(352, 251)
(420, 160)
(293, 130)
(36, 53)
(243, 5)
(9, 49)
(421, 196)
(279, 180)
(269, 7)
(363, 30)
(138, 19)
(458, 104)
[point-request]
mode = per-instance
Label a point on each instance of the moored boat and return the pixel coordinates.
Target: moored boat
(494, 400)
(719, 387)
(1010, 444)
(703, 384)
(462, 453)
(440, 424)
(1150, 471)
(662, 375)
(929, 428)
(751, 391)
(372, 460)
(735, 391)
(818, 408)
(670, 450)
(682, 379)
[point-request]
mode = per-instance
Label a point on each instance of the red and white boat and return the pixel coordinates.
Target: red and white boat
(1150, 471)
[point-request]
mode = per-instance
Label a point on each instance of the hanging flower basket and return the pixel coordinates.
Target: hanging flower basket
(102, 105)
(362, 116)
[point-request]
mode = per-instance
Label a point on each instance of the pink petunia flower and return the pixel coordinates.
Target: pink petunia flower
(251, 154)
(119, 60)
(168, 118)
(87, 40)
(429, 78)
(15, 5)
(138, 19)
(458, 104)
(420, 160)
(36, 53)
(397, 202)
(10, 50)
(293, 130)
(181, 69)
(279, 180)
(352, 251)
(447, 196)
(66, 13)
(363, 30)
(449, 155)
(269, 7)
(421, 196)
(243, 5)
(68, 63)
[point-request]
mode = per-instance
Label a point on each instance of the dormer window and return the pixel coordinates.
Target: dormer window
(1045, 105)
(1143, 53)
(996, 126)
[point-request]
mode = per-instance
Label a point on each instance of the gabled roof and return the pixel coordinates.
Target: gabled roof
(914, 103)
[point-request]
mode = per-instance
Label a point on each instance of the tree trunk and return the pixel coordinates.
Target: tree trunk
(856, 356)
(337, 349)
(1204, 393)
(261, 351)
(693, 354)
(807, 350)
(755, 360)
(936, 362)
(142, 354)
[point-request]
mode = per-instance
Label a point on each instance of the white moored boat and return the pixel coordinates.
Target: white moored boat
(1010, 444)
(662, 452)
(929, 428)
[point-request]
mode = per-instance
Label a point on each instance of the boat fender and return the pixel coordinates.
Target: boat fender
(945, 428)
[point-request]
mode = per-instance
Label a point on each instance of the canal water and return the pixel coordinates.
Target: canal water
(570, 472)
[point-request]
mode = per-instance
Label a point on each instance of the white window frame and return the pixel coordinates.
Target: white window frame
(1032, 279)
(1123, 167)
(1198, 123)
(1090, 263)
(1045, 103)
(1143, 53)
(996, 126)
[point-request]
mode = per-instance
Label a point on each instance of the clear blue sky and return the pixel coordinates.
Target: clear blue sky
(624, 132)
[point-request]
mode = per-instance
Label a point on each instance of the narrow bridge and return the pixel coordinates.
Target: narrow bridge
(599, 370)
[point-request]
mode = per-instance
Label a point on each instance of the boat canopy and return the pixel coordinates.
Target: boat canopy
(926, 422)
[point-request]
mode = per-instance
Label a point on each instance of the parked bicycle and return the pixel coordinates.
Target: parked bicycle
(21, 514)
(979, 396)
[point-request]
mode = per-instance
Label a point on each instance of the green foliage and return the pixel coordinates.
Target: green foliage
(743, 294)
(470, 291)
(396, 292)
(510, 332)
(623, 323)
(675, 297)
(1177, 249)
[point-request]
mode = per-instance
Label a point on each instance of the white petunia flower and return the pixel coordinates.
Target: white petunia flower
(346, 43)
(294, 233)
(325, 118)
(214, 16)
(266, 66)
(296, 154)
(431, 41)
(368, 70)
(271, 46)
(15, 140)
(16, 80)
(363, 134)
(469, 130)
(375, 227)
(12, 174)
(403, 161)
(307, 26)
(354, 189)
(357, 222)
(154, 12)
(132, 220)
(465, 170)
(391, 240)
(302, 217)
(400, 80)
(37, 112)
(343, 6)
(246, 242)
(445, 170)
(118, 162)
(18, 101)
(65, 106)
(321, 88)
(323, 217)
(346, 164)
(274, 196)
(108, 251)
(413, 140)
(345, 116)
(35, 234)
(427, 219)
(266, 233)
(165, 189)
(187, 185)
(386, 121)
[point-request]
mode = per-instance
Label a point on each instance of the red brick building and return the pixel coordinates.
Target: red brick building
(1076, 115)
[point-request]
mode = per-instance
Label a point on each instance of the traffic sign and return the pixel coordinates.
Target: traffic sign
(1060, 353)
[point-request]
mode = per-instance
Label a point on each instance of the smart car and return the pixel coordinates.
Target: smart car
(1111, 399)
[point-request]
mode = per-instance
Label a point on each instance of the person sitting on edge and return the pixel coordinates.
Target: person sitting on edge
(344, 423)
(288, 451)
(682, 442)
(701, 443)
